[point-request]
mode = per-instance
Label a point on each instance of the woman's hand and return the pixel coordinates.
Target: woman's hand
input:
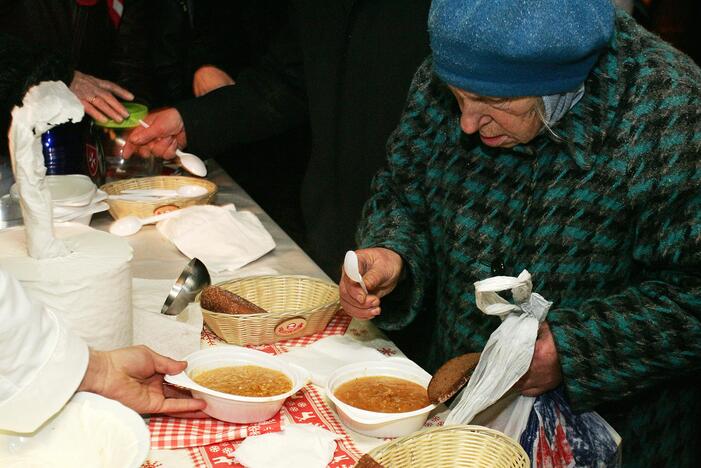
(208, 78)
(545, 372)
(380, 269)
(134, 377)
(165, 134)
(98, 97)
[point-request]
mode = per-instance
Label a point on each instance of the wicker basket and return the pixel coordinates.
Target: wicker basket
(457, 446)
(142, 209)
(297, 306)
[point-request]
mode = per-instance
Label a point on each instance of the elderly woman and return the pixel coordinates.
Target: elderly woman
(561, 137)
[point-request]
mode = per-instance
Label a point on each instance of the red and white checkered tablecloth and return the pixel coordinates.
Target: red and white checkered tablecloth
(308, 406)
(305, 407)
(175, 433)
(211, 443)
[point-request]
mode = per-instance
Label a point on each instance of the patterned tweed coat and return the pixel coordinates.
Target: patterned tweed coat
(607, 219)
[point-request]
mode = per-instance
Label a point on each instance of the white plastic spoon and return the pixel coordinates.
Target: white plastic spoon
(350, 265)
(190, 162)
(129, 225)
(185, 191)
(135, 197)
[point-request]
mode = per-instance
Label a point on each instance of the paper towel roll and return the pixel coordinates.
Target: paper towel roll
(90, 289)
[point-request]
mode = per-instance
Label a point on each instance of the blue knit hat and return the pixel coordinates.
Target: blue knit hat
(507, 48)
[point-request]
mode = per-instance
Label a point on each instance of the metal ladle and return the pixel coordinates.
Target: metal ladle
(191, 281)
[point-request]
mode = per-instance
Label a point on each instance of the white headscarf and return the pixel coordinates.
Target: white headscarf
(557, 105)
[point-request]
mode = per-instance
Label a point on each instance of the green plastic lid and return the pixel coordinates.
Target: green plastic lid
(136, 112)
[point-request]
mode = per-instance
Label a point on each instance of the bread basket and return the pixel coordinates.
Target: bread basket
(458, 446)
(296, 306)
(143, 209)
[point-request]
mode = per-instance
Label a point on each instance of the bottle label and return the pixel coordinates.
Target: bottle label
(92, 160)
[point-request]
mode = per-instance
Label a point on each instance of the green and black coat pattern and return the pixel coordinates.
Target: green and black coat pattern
(607, 219)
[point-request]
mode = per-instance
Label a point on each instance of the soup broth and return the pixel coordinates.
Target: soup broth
(383, 394)
(252, 381)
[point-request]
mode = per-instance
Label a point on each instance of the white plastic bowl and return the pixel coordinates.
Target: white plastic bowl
(71, 190)
(75, 198)
(52, 437)
(79, 214)
(235, 408)
(66, 190)
(375, 424)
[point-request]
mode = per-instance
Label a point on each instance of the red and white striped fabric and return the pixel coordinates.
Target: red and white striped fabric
(115, 9)
(174, 433)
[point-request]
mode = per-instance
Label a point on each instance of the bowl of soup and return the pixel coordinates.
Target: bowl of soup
(385, 398)
(240, 385)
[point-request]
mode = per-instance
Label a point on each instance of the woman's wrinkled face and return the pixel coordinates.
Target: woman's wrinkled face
(500, 122)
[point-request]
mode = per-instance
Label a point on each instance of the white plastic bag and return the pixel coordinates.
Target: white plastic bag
(506, 356)
(550, 432)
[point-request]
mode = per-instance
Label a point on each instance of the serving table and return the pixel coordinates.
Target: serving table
(202, 446)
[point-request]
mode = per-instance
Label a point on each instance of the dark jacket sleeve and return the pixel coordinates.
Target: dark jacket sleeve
(649, 333)
(267, 99)
(21, 67)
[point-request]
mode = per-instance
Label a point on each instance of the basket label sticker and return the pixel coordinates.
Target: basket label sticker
(165, 209)
(290, 326)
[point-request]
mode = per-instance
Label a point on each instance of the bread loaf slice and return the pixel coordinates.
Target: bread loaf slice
(366, 461)
(451, 377)
(220, 300)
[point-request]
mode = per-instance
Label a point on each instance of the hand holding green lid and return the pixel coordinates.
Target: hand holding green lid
(100, 98)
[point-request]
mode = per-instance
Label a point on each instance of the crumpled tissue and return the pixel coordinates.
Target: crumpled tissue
(221, 237)
(298, 445)
(44, 106)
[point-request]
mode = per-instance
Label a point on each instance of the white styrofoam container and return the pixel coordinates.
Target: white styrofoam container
(236, 408)
(83, 412)
(375, 424)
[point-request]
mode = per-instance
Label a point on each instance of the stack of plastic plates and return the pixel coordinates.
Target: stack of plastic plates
(74, 197)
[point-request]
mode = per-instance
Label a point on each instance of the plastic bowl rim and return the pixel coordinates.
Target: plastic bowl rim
(298, 375)
(362, 416)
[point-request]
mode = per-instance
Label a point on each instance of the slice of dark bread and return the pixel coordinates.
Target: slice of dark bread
(218, 299)
(451, 377)
(366, 461)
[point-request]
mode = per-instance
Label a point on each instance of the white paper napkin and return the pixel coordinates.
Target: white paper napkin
(173, 336)
(323, 357)
(298, 445)
(220, 236)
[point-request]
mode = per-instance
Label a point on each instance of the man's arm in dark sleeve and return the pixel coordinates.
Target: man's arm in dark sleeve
(267, 99)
